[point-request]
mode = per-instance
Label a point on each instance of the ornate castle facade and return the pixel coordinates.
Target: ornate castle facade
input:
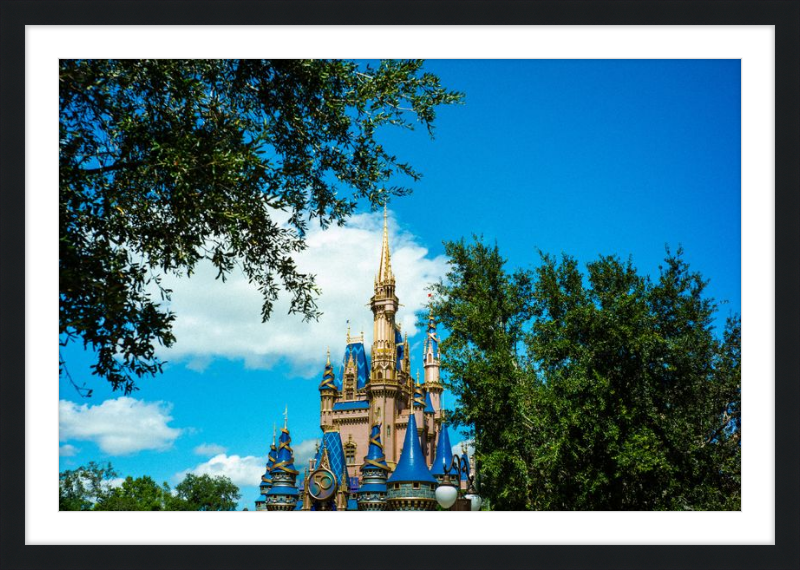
(381, 389)
(367, 452)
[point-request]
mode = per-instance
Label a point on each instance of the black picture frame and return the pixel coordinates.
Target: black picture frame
(784, 15)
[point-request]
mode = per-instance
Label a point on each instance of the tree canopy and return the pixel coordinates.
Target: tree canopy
(92, 487)
(206, 493)
(140, 494)
(164, 163)
(598, 390)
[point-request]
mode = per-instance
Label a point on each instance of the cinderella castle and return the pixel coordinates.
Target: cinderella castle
(384, 439)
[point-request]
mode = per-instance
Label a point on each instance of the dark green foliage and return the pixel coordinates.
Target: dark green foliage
(89, 488)
(164, 163)
(601, 390)
(80, 488)
(140, 494)
(205, 493)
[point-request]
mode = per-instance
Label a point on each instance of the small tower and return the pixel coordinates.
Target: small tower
(383, 389)
(430, 359)
(444, 454)
(283, 494)
(327, 394)
(411, 487)
(384, 306)
(266, 478)
(372, 493)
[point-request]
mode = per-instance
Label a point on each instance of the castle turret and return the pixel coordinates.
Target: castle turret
(384, 305)
(430, 359)
(411, 487)
(372, 493)
(266, 478)
(327, 395)
(444, 454)
(383, 387)
(283, 494)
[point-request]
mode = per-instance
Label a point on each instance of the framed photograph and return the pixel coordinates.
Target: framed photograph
(530, 260)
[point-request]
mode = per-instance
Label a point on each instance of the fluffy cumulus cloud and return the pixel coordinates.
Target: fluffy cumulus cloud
(216, 319)
(119, 427)
(246, 471)
(242, 471)
(67, 450)
(209, 449)
(304, 451)
(467, 445)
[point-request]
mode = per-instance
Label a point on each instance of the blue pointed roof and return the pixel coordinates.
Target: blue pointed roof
(375, 457)
(444, 452)
(419, 400)
(411, 467)
(328, 379)
(428, 404)
(431, 339)
(356, 349)
(271, 459)
(285, 458)
(332, 441)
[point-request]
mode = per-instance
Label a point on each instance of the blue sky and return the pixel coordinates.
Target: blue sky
(585, 157)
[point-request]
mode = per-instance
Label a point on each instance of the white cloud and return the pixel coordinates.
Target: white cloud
(116, 482)
(216, 319)
(67, 450)
(470, 447)
(304, 451)
(209, 449)
(119, 427)
(242, 471)
(246, 471)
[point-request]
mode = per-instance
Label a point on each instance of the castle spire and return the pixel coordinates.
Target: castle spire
(385, 269)
(444, 453)
(282, 496)
(413, 485)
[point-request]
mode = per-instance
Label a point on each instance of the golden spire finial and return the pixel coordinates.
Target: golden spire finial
(348, 331)
(286, 418)
(385, 270)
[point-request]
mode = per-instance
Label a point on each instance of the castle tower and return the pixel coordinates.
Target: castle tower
(372, 493)
(430, 359)
(384, 305)
(266, 478)
(411, 487)
(383, 386)
(444, 454)
(327, 394)
(283, 494)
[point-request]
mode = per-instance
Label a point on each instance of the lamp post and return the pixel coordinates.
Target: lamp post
(447, 492)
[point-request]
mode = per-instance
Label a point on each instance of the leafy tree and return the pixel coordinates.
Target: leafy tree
(205, 493)
(81, 488)
(603, 390)
(164, 163)
(140, 494)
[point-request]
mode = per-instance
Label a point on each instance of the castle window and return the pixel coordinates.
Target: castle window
(350, 452)
(415, 486)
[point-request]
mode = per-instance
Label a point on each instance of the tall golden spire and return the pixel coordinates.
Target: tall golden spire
(385, 270)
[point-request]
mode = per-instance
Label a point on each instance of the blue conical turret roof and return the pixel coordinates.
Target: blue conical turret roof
(444, 452)
(411, 467)
(285, 459)
(328, 379)
(419, 399)
(375, 457)
(428, 404)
